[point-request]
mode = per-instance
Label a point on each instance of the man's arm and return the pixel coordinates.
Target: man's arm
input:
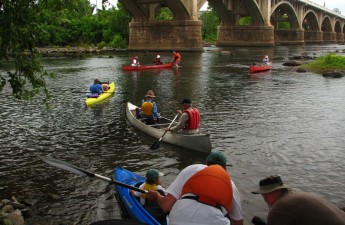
(166, 202)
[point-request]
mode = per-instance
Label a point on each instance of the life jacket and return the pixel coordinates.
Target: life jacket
(193, 119)
(146, 108)
(147, 187)
(177, 56)
(212, 186)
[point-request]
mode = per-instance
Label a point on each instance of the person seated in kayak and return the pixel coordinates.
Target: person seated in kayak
(287, 206)
(176, 58)
(105, 87)
(202, 194)
(135, 61)
(148, 109)
(266, 60)
(96, 87)
(152, 182)
(158, 60)
(189, 120)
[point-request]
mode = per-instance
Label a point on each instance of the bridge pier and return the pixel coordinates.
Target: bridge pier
(166, 35)
(289, 37)
(340, 38)
(329, 37)
(313, 37)
(245, 36)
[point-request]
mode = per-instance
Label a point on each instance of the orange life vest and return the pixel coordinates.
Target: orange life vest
(212, 185)
(177, 56)
(146, 108)
(193, 119)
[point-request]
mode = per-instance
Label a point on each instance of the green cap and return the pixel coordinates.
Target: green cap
(216, 157)
(152, 175)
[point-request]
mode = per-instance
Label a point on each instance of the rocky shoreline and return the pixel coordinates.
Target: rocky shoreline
(75, 51)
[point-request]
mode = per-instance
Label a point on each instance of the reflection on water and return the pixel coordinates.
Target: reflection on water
(279, 122)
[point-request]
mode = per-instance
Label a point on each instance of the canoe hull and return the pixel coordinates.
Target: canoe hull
(131, 204)
(259, 68)
(197, 142)
(148, 67)
(101, 97)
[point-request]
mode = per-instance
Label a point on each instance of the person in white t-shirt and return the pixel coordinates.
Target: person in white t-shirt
(202, 194)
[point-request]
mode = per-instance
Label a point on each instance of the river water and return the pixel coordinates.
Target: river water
(276, 122)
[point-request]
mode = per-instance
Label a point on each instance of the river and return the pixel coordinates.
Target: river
(277, 122)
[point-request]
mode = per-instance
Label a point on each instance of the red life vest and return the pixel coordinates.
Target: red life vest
(193, 119)
(212, 185)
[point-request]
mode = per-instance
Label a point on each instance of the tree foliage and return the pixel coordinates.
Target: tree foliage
(26, 24)
(210, 22)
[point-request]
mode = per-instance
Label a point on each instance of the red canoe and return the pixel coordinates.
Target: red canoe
(259, 68)
(148, 67)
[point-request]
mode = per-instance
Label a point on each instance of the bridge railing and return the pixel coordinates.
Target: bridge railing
(323, 8)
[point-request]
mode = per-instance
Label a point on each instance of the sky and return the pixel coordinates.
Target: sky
(330, 4)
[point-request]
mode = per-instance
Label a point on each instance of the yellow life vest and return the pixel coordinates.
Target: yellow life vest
(146, 108)
(147, 187)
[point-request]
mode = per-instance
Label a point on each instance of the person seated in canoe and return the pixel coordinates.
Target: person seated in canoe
(189, 120)
(176, 58)
(266, 60)
(152, 182)
(135, 61)
(148, 110)
(158, 60)
(96, 87)
(202, 194)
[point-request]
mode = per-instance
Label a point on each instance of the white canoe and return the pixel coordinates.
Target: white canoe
(198, 142)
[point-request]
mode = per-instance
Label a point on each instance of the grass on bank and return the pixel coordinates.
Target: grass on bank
(326, 63)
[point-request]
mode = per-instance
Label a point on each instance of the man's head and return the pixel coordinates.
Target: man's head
(150, 94)
(186, 103)
(96, 81)
(271, 188)
(216, 158)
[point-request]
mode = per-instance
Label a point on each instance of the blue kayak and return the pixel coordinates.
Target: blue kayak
(130, 202)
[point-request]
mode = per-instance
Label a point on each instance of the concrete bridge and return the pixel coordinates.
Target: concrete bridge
(308, 23)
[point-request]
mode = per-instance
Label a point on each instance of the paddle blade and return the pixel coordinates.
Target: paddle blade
(67, 166)
(155, 145)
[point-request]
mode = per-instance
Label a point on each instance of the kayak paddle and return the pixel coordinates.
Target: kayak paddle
(156, 144)
(82, 172)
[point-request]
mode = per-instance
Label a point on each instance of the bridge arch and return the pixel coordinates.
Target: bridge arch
(285, 8)
(310, 21)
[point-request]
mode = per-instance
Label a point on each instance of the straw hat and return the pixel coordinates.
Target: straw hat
(150, 94)
(270, 184)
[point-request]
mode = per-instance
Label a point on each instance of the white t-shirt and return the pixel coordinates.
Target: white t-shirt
(138, 194)
(191, 212)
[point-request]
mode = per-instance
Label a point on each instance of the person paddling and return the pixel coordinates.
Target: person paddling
(176, 58)
(189, 120)
(290, 208)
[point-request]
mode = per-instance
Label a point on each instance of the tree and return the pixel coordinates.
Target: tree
(17, 38)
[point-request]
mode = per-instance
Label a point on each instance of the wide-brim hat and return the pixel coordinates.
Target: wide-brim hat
(150, 94)
(270, 184)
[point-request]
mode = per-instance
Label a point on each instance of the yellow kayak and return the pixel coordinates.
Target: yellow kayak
(101, 97)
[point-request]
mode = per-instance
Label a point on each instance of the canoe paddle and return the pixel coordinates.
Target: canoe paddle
(82, 172)
(156, 144)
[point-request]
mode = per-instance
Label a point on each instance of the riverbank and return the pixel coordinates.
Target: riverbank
(75, 51)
